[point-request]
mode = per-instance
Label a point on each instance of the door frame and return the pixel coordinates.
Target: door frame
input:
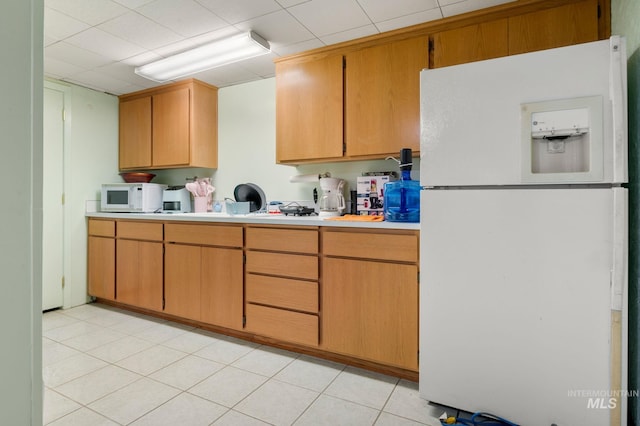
(66, 234)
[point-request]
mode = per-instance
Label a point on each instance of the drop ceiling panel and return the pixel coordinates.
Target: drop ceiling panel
(98, 43)
(189, 19)
(238, 11)
(383, 11)
(324, 17)
(139, 30)
(93, 12)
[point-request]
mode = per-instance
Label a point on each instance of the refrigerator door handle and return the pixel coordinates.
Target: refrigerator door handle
(619, 275)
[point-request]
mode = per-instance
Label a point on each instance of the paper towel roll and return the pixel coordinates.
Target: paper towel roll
(304, 178)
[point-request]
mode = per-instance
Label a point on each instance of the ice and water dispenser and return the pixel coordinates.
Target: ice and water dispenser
(562, 141)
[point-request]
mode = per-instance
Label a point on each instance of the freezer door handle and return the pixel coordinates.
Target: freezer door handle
(618, 94)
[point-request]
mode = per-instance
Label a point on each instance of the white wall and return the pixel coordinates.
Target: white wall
(21, 35)
(247, 149)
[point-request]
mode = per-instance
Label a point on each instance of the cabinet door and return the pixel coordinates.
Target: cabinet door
(171, 113)
(102, 267)
(182, 274)
(221, 288)
(370, 310)
(383, 97)
(560, 26)
(139, 273)
(472, 43)
(309, 102)
(135, 133)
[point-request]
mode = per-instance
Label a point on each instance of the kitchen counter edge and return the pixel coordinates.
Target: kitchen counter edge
(255, 219)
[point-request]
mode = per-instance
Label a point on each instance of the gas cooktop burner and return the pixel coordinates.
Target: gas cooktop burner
(296, 210)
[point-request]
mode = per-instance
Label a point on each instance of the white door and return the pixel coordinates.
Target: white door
(516, 301)
(52, 202)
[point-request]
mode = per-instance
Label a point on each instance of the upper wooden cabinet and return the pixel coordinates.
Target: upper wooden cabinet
(563, 25)
(170, 126)
(360, 99)
(135, 133)
(382, 107)
(559, 26)
(363, 104)
(309, 102)
(471, 43)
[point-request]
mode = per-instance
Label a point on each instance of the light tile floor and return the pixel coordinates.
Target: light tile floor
(106, 366)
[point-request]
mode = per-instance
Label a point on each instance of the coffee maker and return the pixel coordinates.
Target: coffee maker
(332, 199)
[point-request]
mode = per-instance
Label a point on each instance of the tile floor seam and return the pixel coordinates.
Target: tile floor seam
(308, 407)
(326, 374)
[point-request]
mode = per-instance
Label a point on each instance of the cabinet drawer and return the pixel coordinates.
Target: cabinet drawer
(102, 228)
(285, 265)
(282, 292)
(211, 235)
(140, 230)
(395, 247)
(282, 324)
(289, 240)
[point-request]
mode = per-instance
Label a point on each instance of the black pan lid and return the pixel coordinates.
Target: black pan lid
(253, 194)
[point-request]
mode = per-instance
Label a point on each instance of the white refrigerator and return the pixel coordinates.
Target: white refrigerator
(523, 274)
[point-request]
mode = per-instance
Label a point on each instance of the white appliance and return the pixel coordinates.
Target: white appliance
(524, 236)
(176, 199)
(132, 197)
(332, 199)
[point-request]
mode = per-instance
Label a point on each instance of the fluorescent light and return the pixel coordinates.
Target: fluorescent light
(205, 57)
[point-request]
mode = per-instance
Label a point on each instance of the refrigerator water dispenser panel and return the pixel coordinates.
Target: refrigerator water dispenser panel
(562, 141)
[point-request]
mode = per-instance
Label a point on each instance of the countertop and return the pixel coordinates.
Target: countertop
(256, 218)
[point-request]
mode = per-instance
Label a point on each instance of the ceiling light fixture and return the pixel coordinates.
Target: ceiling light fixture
(221, 52)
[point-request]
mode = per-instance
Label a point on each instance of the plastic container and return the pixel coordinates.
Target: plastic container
(237, 207)
(402, 197)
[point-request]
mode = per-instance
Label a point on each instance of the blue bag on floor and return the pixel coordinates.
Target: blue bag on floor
(477, 419)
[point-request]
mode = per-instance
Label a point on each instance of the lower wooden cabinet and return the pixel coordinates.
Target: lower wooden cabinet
(204, 282)
(182, 275)
(139, 264)
(221, 298)
(370, 310)
(101, 259)
(370, 296)
(281, 284)
(139, 273)
(352, 293)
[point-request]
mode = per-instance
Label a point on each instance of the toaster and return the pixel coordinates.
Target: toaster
(176, 199)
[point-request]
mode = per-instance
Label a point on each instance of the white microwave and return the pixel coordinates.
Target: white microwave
(132, 197)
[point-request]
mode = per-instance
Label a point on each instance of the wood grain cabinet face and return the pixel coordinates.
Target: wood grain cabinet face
(170, 126)
(471, 43)
(382, 105)
(182, 276)
(309, 103)
(369, 294)
(377, 115)
(139, 273)
(101, 260)
(135, 133)
(370, 310)
(139, 264)
(559, 26)
(202, 282)
(171, 112)
(281, 284)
